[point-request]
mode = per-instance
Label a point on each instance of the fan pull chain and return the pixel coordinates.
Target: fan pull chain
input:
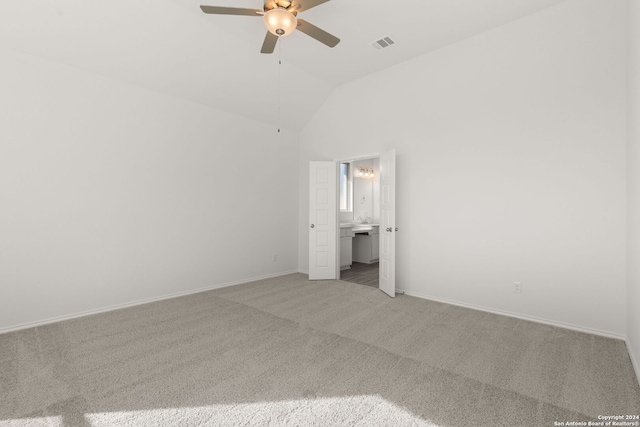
(279, 79)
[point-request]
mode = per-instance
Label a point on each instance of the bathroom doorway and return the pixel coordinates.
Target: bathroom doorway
(359, 215)
(357, 226)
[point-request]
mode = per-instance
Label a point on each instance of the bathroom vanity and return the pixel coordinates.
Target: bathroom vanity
(346, 237)
(366, 243)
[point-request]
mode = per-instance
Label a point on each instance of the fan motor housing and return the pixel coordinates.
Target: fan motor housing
(281, 4)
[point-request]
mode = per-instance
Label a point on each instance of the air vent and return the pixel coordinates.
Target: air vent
(383, 43)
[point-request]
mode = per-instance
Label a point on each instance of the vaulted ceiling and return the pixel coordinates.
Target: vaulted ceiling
(172, 47)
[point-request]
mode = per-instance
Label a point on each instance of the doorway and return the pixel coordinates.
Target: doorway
(359, 218)
(326, 233)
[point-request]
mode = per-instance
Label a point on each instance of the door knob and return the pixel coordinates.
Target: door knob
(389, 229)
(396, 228)
(312, 225)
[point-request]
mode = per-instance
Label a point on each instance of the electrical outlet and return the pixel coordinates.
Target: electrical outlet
(274, 258)
(517, 287)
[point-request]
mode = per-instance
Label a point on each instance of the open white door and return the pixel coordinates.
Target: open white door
(388, 223)
(323, 219)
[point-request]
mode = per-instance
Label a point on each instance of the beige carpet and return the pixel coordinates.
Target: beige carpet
(286, 351)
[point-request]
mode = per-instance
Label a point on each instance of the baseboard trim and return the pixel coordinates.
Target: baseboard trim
(520, 316)
(634, 361)
(138, 302)
(304, 272)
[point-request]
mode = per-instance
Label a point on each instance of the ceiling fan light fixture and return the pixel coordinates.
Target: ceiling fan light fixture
(279, 22)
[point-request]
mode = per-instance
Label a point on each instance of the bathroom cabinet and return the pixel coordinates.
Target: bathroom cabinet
(366, 246)
(346, 247)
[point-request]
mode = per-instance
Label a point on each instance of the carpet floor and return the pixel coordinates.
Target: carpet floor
(286, 351)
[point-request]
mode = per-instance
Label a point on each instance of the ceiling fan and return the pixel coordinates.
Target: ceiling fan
(280, 18)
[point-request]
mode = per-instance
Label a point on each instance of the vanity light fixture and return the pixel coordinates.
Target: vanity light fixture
(365, 173)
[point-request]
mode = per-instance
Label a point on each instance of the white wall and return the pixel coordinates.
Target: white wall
(511, 164)
(633, 218)
(112, 194)
(376, 191)
(363, 196)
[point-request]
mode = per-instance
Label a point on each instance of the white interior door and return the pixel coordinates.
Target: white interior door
(323, 219)
(388, 223)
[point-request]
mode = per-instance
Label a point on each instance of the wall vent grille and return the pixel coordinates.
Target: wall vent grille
(383, 43)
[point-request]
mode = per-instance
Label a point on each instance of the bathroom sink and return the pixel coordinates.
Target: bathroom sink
(362, 227)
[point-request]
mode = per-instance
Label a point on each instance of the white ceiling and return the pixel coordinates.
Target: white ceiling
(172, 47)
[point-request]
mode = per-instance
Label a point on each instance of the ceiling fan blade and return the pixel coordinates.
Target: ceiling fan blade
(321, 35)
(308, 4)
(269, 44)
(216, 10)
